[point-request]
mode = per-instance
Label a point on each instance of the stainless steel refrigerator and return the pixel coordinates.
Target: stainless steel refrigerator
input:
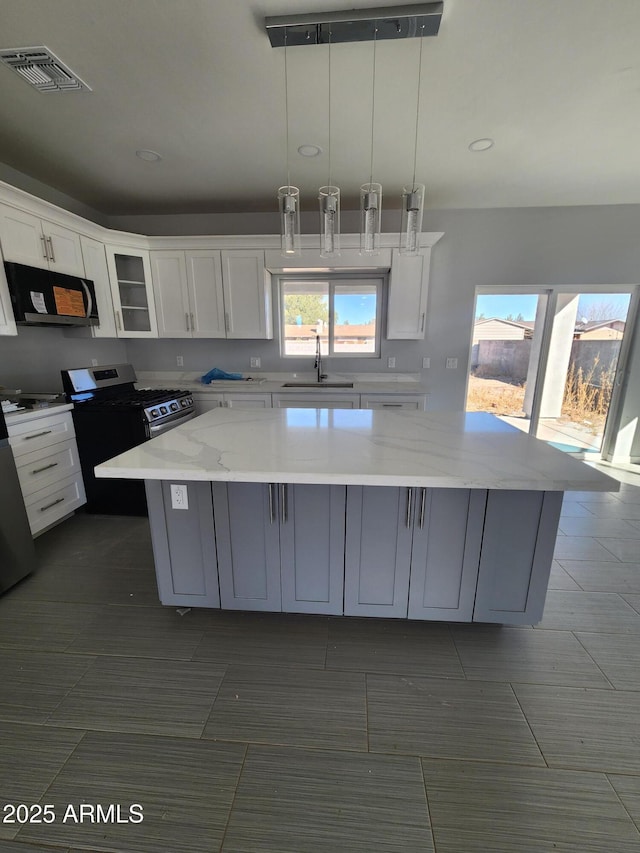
(17, 552)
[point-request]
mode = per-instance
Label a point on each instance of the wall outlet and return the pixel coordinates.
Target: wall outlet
(180, 361)
(426, 362)
(391, 361)
(256, 362)
(452, 363)
(179, 496)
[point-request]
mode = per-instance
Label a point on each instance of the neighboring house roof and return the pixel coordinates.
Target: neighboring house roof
(522, 324)
(590, 325)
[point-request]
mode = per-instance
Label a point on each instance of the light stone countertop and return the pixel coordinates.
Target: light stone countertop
(356, 447)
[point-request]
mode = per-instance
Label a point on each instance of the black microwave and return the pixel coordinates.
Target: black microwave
(44, 298)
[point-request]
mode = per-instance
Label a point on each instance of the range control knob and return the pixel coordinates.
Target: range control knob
(174, 407)
(163, 410)
(155, 413)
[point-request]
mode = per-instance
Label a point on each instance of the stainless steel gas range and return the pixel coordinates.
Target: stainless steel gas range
(110, 416)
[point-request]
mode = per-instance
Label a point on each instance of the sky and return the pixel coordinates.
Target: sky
(525, 303)
(355, 308)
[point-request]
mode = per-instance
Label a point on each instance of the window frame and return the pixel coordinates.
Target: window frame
(333, 280)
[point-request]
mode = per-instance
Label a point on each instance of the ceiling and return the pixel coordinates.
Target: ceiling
(555, 83)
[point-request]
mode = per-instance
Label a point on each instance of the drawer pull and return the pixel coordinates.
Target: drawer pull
(392, 405)
(48, 506)
(38, 434)
(44, 468)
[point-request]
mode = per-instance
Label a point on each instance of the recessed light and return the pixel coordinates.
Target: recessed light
(483, 144)
(309, 150)
(149, 156)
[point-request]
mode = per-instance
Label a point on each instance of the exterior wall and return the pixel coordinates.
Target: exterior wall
(503, 358)
(495, 330)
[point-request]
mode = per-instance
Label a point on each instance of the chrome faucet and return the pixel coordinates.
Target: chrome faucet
(318, 361)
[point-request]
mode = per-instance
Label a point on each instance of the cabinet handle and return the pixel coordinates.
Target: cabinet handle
(392, 405)
(37, 434)
(51, 254)
(118, 321)
(422, 322)
(44, 468)
(409, 499)
(423, 503)
(186, 319)
(271, 513)
(193, 328)
(226, 321)
(45, 254)
(48, 506)
(283, 502)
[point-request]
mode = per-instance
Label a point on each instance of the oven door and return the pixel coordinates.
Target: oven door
(158, 429)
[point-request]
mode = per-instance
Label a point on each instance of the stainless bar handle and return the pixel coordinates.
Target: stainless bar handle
(118, 321)
(186, 319)
(48, 506)
(271, 514)
(51, 254)
(45, 253)
(44, 468)
(423, 503)
(422, 322)
(193, 328)
(409, 498)
(283, 502)
(392, 405)
(37, 434)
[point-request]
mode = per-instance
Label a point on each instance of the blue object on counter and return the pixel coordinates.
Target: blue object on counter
(216, 373)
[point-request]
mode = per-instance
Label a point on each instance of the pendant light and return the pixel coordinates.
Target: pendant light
(329, 198)
(413, 195)
(288, 197)
(371, 193)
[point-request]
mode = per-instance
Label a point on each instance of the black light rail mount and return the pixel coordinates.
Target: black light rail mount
(386, 22)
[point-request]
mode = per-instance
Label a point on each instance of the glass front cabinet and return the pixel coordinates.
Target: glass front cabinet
(132, 292)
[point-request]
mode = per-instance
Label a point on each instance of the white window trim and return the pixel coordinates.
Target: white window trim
(337, 278)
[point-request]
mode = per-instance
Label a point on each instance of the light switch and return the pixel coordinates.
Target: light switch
(426, 362)
(179, 496)
(452, 363)
(255, 361)
(391, 362)
(179, 361)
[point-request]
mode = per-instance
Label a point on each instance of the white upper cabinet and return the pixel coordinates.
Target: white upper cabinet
(247, 295)
(133, 303)
(408, 291)
(188, 294)
(7, 323)
(27, 239)
(96, 269)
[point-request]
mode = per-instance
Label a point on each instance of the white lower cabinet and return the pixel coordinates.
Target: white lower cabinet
(322, 400)
(417, 402)
(280, 547)
(412, 552)
(46, 457)
(206, 402)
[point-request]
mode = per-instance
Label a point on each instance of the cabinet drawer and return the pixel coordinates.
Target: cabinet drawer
(41, 432)
(48, 465)
(48, 505)
(393, 401)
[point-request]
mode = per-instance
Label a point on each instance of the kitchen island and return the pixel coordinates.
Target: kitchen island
(449, 516)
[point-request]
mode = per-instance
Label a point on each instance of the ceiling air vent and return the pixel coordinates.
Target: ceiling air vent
(42, 69)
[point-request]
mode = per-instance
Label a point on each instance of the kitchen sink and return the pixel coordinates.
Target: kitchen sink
(318, 385)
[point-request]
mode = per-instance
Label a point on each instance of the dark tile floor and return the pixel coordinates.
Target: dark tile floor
(299, 734)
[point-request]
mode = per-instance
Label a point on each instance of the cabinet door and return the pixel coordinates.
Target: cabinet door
(247, 295)
(206, 402)
(408, 288)
(184, 546)
(206, 300)
(447, 537)
(317, 400)
(130, 275)
(65, 251)
(7, 322)
(95, 265)
(22, 239)
(378, 550)
(247, 536)
(247, 401)
(312, 529)
(169, 274)
(519, 538)
(394, 401)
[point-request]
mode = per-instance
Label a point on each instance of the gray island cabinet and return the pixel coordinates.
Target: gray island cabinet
(442, 516)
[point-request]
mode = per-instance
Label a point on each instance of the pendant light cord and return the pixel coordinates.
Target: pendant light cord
(286, 108)
(415, 146)
(373, 99)
(329, 122)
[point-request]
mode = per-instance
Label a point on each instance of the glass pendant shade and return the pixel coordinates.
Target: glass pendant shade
(370, 218)
(329, 198)
(289, 203)
(411, 226)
